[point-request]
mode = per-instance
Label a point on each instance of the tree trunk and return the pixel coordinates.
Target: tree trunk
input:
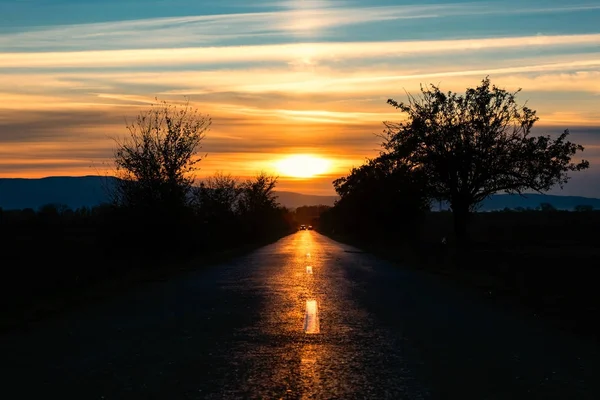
(460, 213)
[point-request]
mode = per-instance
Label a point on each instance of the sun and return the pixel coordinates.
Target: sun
(302, 166)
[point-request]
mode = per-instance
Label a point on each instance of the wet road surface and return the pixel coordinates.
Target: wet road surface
(303, 318)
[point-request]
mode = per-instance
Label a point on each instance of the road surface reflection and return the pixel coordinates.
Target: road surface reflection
(319, 341)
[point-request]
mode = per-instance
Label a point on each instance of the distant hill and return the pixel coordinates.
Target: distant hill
(88, 191)
(502, 201)
(295, 200)
(75, 192)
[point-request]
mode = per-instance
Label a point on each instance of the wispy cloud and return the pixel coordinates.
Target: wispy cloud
(299, 19)
(304, 52)
(207, 29)
(257, 85)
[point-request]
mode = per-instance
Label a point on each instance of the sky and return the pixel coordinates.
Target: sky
(281, 78)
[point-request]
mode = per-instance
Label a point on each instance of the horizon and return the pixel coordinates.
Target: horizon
(525, 194)
(281, 79)
(110, 176)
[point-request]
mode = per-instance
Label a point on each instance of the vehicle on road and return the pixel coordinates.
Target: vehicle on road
(302, 227)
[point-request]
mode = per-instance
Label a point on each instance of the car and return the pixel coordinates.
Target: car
(310, 227)
(302, 227)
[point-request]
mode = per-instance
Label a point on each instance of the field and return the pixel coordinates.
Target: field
(542, 263)
(53, 260)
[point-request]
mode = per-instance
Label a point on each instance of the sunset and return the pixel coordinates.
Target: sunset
(299, 199)
(302, 166)
(291, 77)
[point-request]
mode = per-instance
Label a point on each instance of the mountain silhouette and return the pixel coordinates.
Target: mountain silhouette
(89, 191)
(75, 192)
(295, 200)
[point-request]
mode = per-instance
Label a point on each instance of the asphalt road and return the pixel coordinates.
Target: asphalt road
(263, 326)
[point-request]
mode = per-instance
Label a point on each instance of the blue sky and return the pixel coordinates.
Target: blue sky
(280, 77)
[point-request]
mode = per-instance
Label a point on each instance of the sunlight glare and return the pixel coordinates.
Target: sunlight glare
(302, 166)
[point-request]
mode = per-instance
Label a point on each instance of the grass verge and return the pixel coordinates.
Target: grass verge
(553, 282)
(40, 308)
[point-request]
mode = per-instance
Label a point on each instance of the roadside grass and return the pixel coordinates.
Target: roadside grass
(541, 264)
(46, 273)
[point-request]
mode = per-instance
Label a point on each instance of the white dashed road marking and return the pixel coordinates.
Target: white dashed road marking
(311, 318)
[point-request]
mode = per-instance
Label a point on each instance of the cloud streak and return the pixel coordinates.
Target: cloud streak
(303, 52)
(209, 29)
(311, 20)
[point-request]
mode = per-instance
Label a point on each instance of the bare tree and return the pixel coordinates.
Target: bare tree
(155, 163)
(473, 146)
(257, 195)
(217, 198)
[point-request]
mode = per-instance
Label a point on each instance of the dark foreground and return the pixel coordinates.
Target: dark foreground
(238, 331)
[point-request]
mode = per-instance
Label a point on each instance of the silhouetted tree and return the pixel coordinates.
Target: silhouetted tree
(51, 213)
(217, 197)
(474, 145)
(156, 160)
(257, 204)
(216, 207)
(257, 194)
(309, 214)
(380, 196)
(547, 207)
(584, 208)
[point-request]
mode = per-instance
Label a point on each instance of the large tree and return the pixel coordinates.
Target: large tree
(156, 161)
(379, 196)
(474, 145)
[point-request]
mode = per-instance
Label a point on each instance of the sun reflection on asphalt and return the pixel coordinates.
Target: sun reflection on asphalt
(311, 318)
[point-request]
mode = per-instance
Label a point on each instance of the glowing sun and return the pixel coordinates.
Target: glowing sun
(302, 166)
